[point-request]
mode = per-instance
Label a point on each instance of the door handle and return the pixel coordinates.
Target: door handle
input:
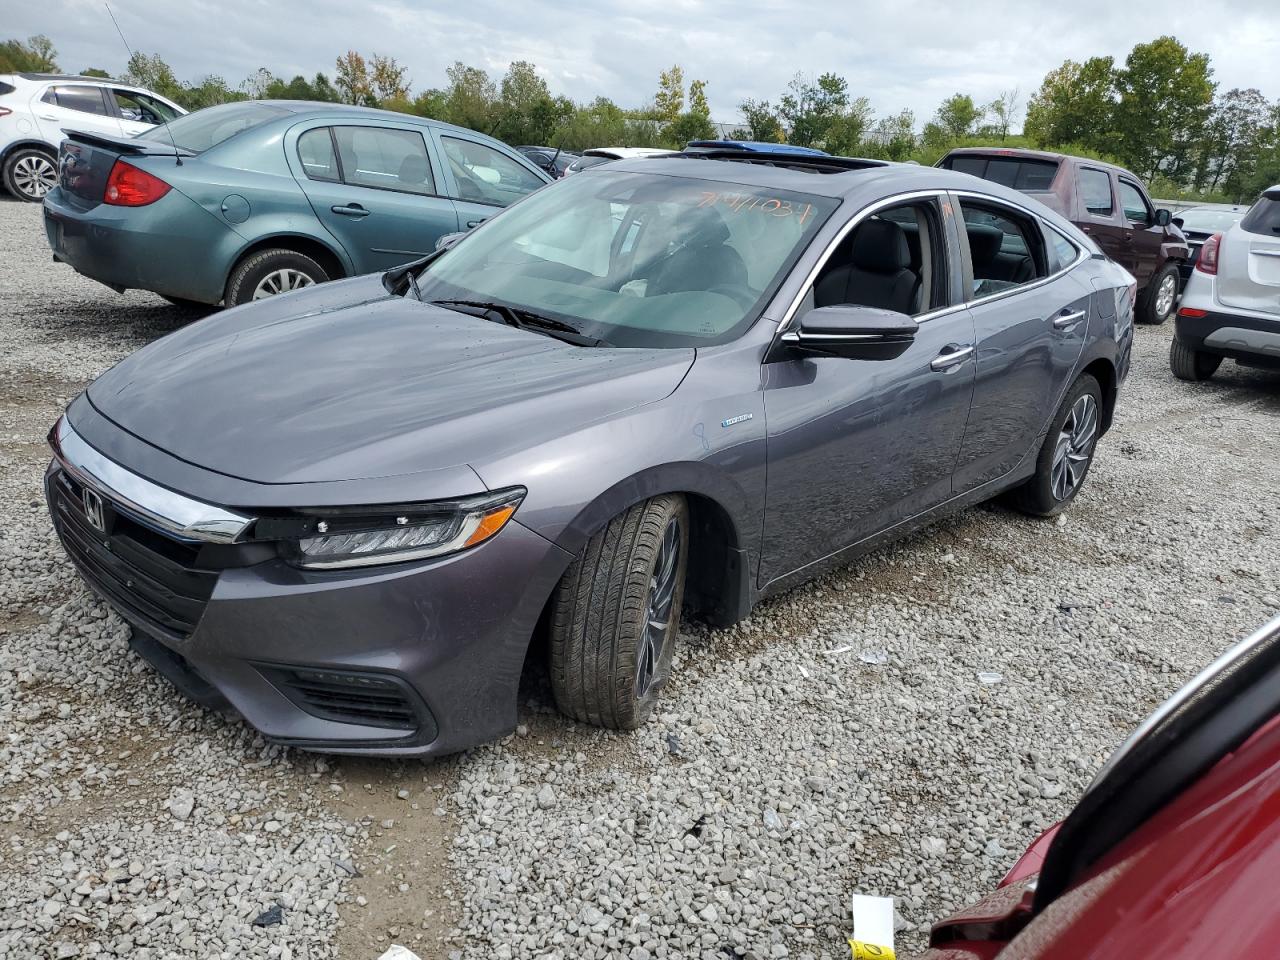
(351, 210)
(1068, 320)
(472, 224)
(45, 116)
(951, 358)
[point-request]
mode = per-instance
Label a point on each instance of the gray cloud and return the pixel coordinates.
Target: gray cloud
(906, 54)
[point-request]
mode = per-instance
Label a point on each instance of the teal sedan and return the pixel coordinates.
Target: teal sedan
(245, 200)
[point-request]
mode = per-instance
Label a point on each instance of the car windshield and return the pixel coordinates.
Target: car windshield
(1208, 221)
(207, 128)
(635, 259)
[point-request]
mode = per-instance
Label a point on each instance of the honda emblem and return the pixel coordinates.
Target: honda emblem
(93, 510)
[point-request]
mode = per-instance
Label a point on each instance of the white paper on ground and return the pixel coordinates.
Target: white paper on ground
(398, 952)
(873, 920)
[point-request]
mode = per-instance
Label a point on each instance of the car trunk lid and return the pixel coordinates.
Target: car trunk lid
(1249, 259)
(86, 159)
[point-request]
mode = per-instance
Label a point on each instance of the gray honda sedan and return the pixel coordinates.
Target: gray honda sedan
(680, 383)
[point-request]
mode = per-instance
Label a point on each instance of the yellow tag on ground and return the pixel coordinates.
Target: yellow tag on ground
(870, 951)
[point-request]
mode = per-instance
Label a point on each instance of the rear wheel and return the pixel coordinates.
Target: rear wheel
(1067, 453)
(269, 272)
(1188, 364)
(615, 615)
(30, 173)
(1160, 296)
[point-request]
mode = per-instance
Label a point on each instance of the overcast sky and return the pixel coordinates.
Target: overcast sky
(901, 53)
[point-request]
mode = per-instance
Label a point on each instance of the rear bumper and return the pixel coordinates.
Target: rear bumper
(1250, 340)
(164, 247)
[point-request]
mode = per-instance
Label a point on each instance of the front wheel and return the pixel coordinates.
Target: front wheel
(1160, 296)
(1194, 365)
(615, 615)
(1067, 453)
(269, 272)
(30, 173)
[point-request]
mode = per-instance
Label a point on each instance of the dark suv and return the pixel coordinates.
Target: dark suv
(1107, 202)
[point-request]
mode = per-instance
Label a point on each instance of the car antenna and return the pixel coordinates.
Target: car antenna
(163, 119)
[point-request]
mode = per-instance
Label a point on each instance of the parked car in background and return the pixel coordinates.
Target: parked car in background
(697, 378)
(1171, 853)
(599, 155)
(551, 160)
(36, 109)
(1198, 224)
(1107, 202)
(268, 196)
(1231, 307)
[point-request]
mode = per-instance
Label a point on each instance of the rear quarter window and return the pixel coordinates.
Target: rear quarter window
(6, 88)
(1263, 217)
(209, 127)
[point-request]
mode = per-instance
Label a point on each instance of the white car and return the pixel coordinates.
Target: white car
(598, 155)
(1231, 306)
(35, 109)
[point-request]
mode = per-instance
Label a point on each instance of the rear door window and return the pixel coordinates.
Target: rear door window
(80, 99)
(1095, 191)
(486, 175)
(1263, 218)
(385, 158)
(317, 156)
(1006, 248)
(1134, 203)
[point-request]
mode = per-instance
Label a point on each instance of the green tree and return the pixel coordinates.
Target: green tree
(893, 138)
(600, 123)
(1003, 111)
(1075, 104)
(37, 55)
(1236, 135)
(668, 103)
(693, 124)
(1165, 99)
(95, 72)
(351, 77)
(299, 88)
(526, 111)
(762, 122)
(154, 74)
(471, 99)
(821, 114)
(209, 92)
(958, 116)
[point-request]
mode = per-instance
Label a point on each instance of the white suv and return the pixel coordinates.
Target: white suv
(35, 108)
(1231, 307)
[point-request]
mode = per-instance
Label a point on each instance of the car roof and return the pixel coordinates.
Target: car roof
(836, 177)
(1028, 154)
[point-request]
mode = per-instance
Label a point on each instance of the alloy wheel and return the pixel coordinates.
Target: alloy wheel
(1075, 447)
(1166, 294)
(659, 609)
(35, 175)
(281, 281)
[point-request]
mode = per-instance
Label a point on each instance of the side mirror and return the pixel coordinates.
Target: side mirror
(1163, 217)
(449, 240)
(857, 333)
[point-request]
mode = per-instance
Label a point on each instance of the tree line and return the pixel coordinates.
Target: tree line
(1159, 113)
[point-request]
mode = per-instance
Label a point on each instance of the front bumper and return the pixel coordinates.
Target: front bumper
(1254, 341)
(415, 659)
(164, 247)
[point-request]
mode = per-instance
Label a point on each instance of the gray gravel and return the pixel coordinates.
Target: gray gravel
(842, 740)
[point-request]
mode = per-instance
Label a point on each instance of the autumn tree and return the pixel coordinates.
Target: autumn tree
(668, 103)
(351, 77)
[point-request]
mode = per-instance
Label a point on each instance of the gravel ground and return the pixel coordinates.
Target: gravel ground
(839, 741)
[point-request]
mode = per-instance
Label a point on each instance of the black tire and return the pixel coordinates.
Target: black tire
(256, 268)
(25, 163)
(601, 611)
(1040, 496)
(1150, 309)
(1194, 365)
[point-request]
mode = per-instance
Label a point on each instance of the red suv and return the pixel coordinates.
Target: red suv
(1173, 851)
(1107, 202)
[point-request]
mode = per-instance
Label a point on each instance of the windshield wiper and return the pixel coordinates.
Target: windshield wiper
(523, 319)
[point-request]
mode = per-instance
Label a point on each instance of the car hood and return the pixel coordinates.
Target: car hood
(346, 382)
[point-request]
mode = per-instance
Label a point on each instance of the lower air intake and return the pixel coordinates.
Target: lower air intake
(368, 699)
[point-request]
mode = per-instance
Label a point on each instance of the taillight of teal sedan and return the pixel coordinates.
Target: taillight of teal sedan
(246, 200)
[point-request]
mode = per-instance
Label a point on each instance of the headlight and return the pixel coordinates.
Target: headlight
(367, 536)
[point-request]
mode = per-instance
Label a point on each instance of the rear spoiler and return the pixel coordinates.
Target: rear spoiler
(133, 146)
